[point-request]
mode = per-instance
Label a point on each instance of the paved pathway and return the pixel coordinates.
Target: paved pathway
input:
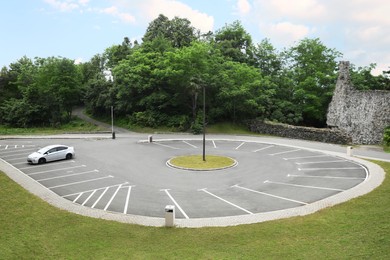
(376, 176)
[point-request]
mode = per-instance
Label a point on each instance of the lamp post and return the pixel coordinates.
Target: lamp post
(112, 122)
(204, 123)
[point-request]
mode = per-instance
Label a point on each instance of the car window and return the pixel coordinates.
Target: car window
(61, 148)
(52, 150)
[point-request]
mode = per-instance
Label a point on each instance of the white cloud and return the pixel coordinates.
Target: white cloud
(243, 7)
(285, 32)
(113, 11)
(63, 6)
(172, 8)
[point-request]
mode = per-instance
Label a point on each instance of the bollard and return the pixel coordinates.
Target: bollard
(349, 150)
(113, 135)
(170, 216)
(150, 138)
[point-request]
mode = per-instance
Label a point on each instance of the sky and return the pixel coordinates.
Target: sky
(79, 29)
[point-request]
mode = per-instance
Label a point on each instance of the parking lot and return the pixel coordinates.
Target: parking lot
(131, 177)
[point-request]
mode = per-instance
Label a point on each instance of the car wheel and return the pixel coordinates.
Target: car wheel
(69, 156)
(41, 160)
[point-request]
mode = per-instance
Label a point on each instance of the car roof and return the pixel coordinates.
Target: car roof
(52, 146)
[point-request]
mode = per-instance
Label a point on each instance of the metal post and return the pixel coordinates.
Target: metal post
(204, 123)
(112, 122)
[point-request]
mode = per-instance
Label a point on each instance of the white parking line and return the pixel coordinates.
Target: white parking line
(228, 202)
(68, 175)
(321, 162)
(174, 201)
(290, 151)
(72, 194)
(215, 146)
(101, 196)
(45, 165)
(264, 148)
(325, 177)
(13, 155)
(127, 200)
(319, 169)
(90, 196)
(164, 145)
(112, 197)
(303, 186)
(81, 193)
(193, 146)
(60, 169)
(306, 157)
(238, 147)
(78, 182)
(16, 151)
(267, 194)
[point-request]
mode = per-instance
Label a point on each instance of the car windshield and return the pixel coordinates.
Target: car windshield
(42, 150)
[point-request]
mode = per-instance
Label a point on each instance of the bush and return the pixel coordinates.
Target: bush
(386, 136)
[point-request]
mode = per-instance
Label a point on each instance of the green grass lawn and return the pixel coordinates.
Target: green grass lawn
(196, 162)
(75, 126)
(32, 229)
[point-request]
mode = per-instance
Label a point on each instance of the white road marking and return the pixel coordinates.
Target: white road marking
(81, 193)
(46, 165)
(264, 148)
(68, 175)
(90, 196)
(101, 196)
(321, 162)
(290, 151)
(303, 186)
(60, 169)
(112, 197)
(78, 182)
(13, 154)
(174, 201)
(215, 146)
(228, 202)
(127, 200)
(164, 145)
(72, 194)
(238, 147)
(17, 151)
(325, 177)
(319, 169)
(267, 194)
(306, 157)
(193, 146)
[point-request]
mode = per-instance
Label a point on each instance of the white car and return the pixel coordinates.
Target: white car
(51, 153)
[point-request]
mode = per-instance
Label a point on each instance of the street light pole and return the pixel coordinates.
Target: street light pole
(204, 123)
(112, 122)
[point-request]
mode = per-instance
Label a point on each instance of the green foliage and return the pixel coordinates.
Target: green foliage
(363, 79)
(160, 82)
(386, 136)
(49, 89)
(177, 31)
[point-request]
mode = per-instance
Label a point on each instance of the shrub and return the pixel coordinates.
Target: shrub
(386, 136)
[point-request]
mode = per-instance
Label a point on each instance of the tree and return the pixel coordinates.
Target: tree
(363, 79)
(235, 43)
(312, 68)
(177, 31)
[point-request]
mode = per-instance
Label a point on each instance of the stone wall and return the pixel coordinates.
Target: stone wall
(299, 132)
(361, 114)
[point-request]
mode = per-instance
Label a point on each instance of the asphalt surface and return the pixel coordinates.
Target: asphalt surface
(127, 176)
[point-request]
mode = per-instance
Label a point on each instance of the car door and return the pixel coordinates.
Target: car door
(61, 152)
(51, 154)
